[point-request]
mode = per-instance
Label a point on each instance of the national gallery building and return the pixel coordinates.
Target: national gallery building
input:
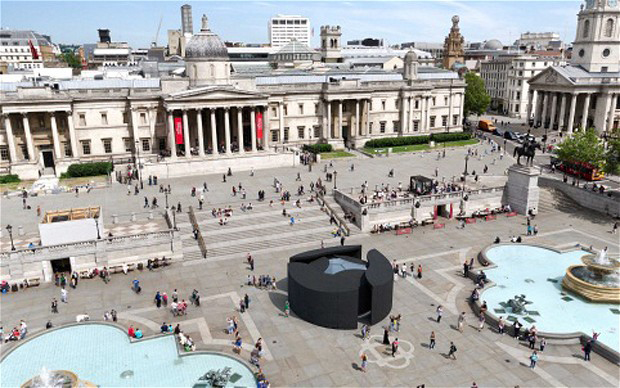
(216, 115)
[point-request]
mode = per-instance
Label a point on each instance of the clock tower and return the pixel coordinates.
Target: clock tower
(597, 45)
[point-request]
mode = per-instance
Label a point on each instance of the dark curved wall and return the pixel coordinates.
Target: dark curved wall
(337, 300)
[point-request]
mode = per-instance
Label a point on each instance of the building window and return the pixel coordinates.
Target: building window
(274, 112)
(396, 125)
(41, 121)
(382, 127)
(146, 145)
(317, 131)
(274, 136)
(286, 129)
(316, 109)
(369, 105)
(301, 132)
(67, 148)
(432, 122)
(382, 104)
(82, 119)
(142, 118)
(285, 107)
(455, 120)
(85, 147)
(417, 104)
(301, 109)
(107, 145)
(416, 125)
(4, 153)
(445, 101)
(125, 118)
(444, 121)
(128, 145)
(104, 119)
(370, 127)
(586, 28)
(434, 101)
(25, 151)
(609, 28)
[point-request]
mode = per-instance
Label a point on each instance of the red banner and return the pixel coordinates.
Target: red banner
(178, 130)
(259, 125)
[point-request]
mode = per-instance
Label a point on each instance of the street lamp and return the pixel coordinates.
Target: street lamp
(166, 194)
(9, 228)
(97, 225)
(466, 160)
(335, 175)
(138, 164)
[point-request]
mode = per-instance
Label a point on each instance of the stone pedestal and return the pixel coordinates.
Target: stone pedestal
(522, 191)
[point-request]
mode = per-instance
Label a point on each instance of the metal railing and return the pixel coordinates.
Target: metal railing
(331, 213)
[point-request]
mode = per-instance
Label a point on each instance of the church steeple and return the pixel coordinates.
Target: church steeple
(453, 46)
(597, 44)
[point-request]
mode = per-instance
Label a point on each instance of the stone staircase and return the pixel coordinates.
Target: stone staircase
(551, 200)
(262, 229)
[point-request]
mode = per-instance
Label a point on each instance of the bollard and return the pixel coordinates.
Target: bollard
(20, 230)
(133, 217)
(151, 215)
(115, 219)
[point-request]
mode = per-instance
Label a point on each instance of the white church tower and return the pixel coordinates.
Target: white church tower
(597, 45)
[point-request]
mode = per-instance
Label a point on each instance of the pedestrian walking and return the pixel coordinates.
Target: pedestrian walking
(364, 358)
(501, 325)
(533, 360)
(439, 313)
(452, 352)
(386, 336)
(587, 349)
(395, 347)
(54, 306)
(246, 300)
(431, 344)
(420, 273)
(543, 343)
(287, 308)
(461, 321)
(481, 320)
(63, 295)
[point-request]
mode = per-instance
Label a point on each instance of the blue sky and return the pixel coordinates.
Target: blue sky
(395, 21)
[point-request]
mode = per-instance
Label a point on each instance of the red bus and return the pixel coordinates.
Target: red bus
(582, 170)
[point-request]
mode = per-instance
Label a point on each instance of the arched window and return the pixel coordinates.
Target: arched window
(212, 70)
(586, 28)
(609, 28)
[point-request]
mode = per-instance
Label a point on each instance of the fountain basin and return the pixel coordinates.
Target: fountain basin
(593, 292)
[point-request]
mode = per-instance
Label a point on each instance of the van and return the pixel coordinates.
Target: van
(486, 125)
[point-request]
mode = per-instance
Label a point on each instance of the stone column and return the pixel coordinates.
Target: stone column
(450, 109)
(201, 134)
(152, 114)
(367, 129)
(72, 136)
(266, 129)
(339, 129)
(612, 112)
(562, 112)
(329, 120)
(571, 114)
(422, 114)
(227, 130)
(554, 103)
(461, 107)
(358, 127)
(214, 144)
(55, 137)
(188, 145)
(586, 110)
(538, 108)
(9, 138)
(28, 135)
(530, 102)
(545, 108)
(171, 136)
(134, 126)
(240, 129)
(253, 127)
(410, 119)
(428, 113)
(281, 121)
(403, 114)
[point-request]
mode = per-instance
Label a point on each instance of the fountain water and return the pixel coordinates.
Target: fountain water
(598, 280)
(56, 379)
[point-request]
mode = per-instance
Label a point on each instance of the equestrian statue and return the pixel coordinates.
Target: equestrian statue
(527, 150)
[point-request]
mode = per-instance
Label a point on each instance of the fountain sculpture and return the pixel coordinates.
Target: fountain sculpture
(56, 379)
(598, 280)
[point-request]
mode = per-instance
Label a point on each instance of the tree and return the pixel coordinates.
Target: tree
(612, 156)
(71, 59)
(476, 98)
(583, 146)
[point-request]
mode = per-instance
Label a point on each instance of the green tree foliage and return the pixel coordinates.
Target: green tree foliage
(71, 59)
(476, 98)
(612, 156)
(583, 146)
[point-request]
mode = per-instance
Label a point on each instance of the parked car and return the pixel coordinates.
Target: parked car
(498, 132)
(510, 135)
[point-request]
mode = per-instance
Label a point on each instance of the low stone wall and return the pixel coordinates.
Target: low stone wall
(586, 198)
(562, 338)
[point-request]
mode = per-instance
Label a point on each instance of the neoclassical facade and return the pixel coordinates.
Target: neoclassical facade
(583, 94)
(218, 115)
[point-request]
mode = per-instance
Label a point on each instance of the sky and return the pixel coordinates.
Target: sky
(76, 22)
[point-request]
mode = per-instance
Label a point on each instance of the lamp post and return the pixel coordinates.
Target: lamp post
(174, 220)
(138, 164)
(97, 226)
(335, 175)
(466, 160)
(166, 194)
(9, 228)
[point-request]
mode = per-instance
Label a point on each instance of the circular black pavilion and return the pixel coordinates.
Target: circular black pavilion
(334, 287)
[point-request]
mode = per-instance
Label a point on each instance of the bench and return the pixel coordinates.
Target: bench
(33, 282)
(116, 269)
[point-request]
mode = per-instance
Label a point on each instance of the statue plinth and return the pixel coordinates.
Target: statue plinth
(522, 192)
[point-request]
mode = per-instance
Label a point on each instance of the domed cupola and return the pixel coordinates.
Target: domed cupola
(206, 58)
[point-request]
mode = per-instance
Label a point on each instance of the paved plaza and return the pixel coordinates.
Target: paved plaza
(298, 353)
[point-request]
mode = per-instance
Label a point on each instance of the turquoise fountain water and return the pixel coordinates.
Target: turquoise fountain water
(103, 355)
(537, 273)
